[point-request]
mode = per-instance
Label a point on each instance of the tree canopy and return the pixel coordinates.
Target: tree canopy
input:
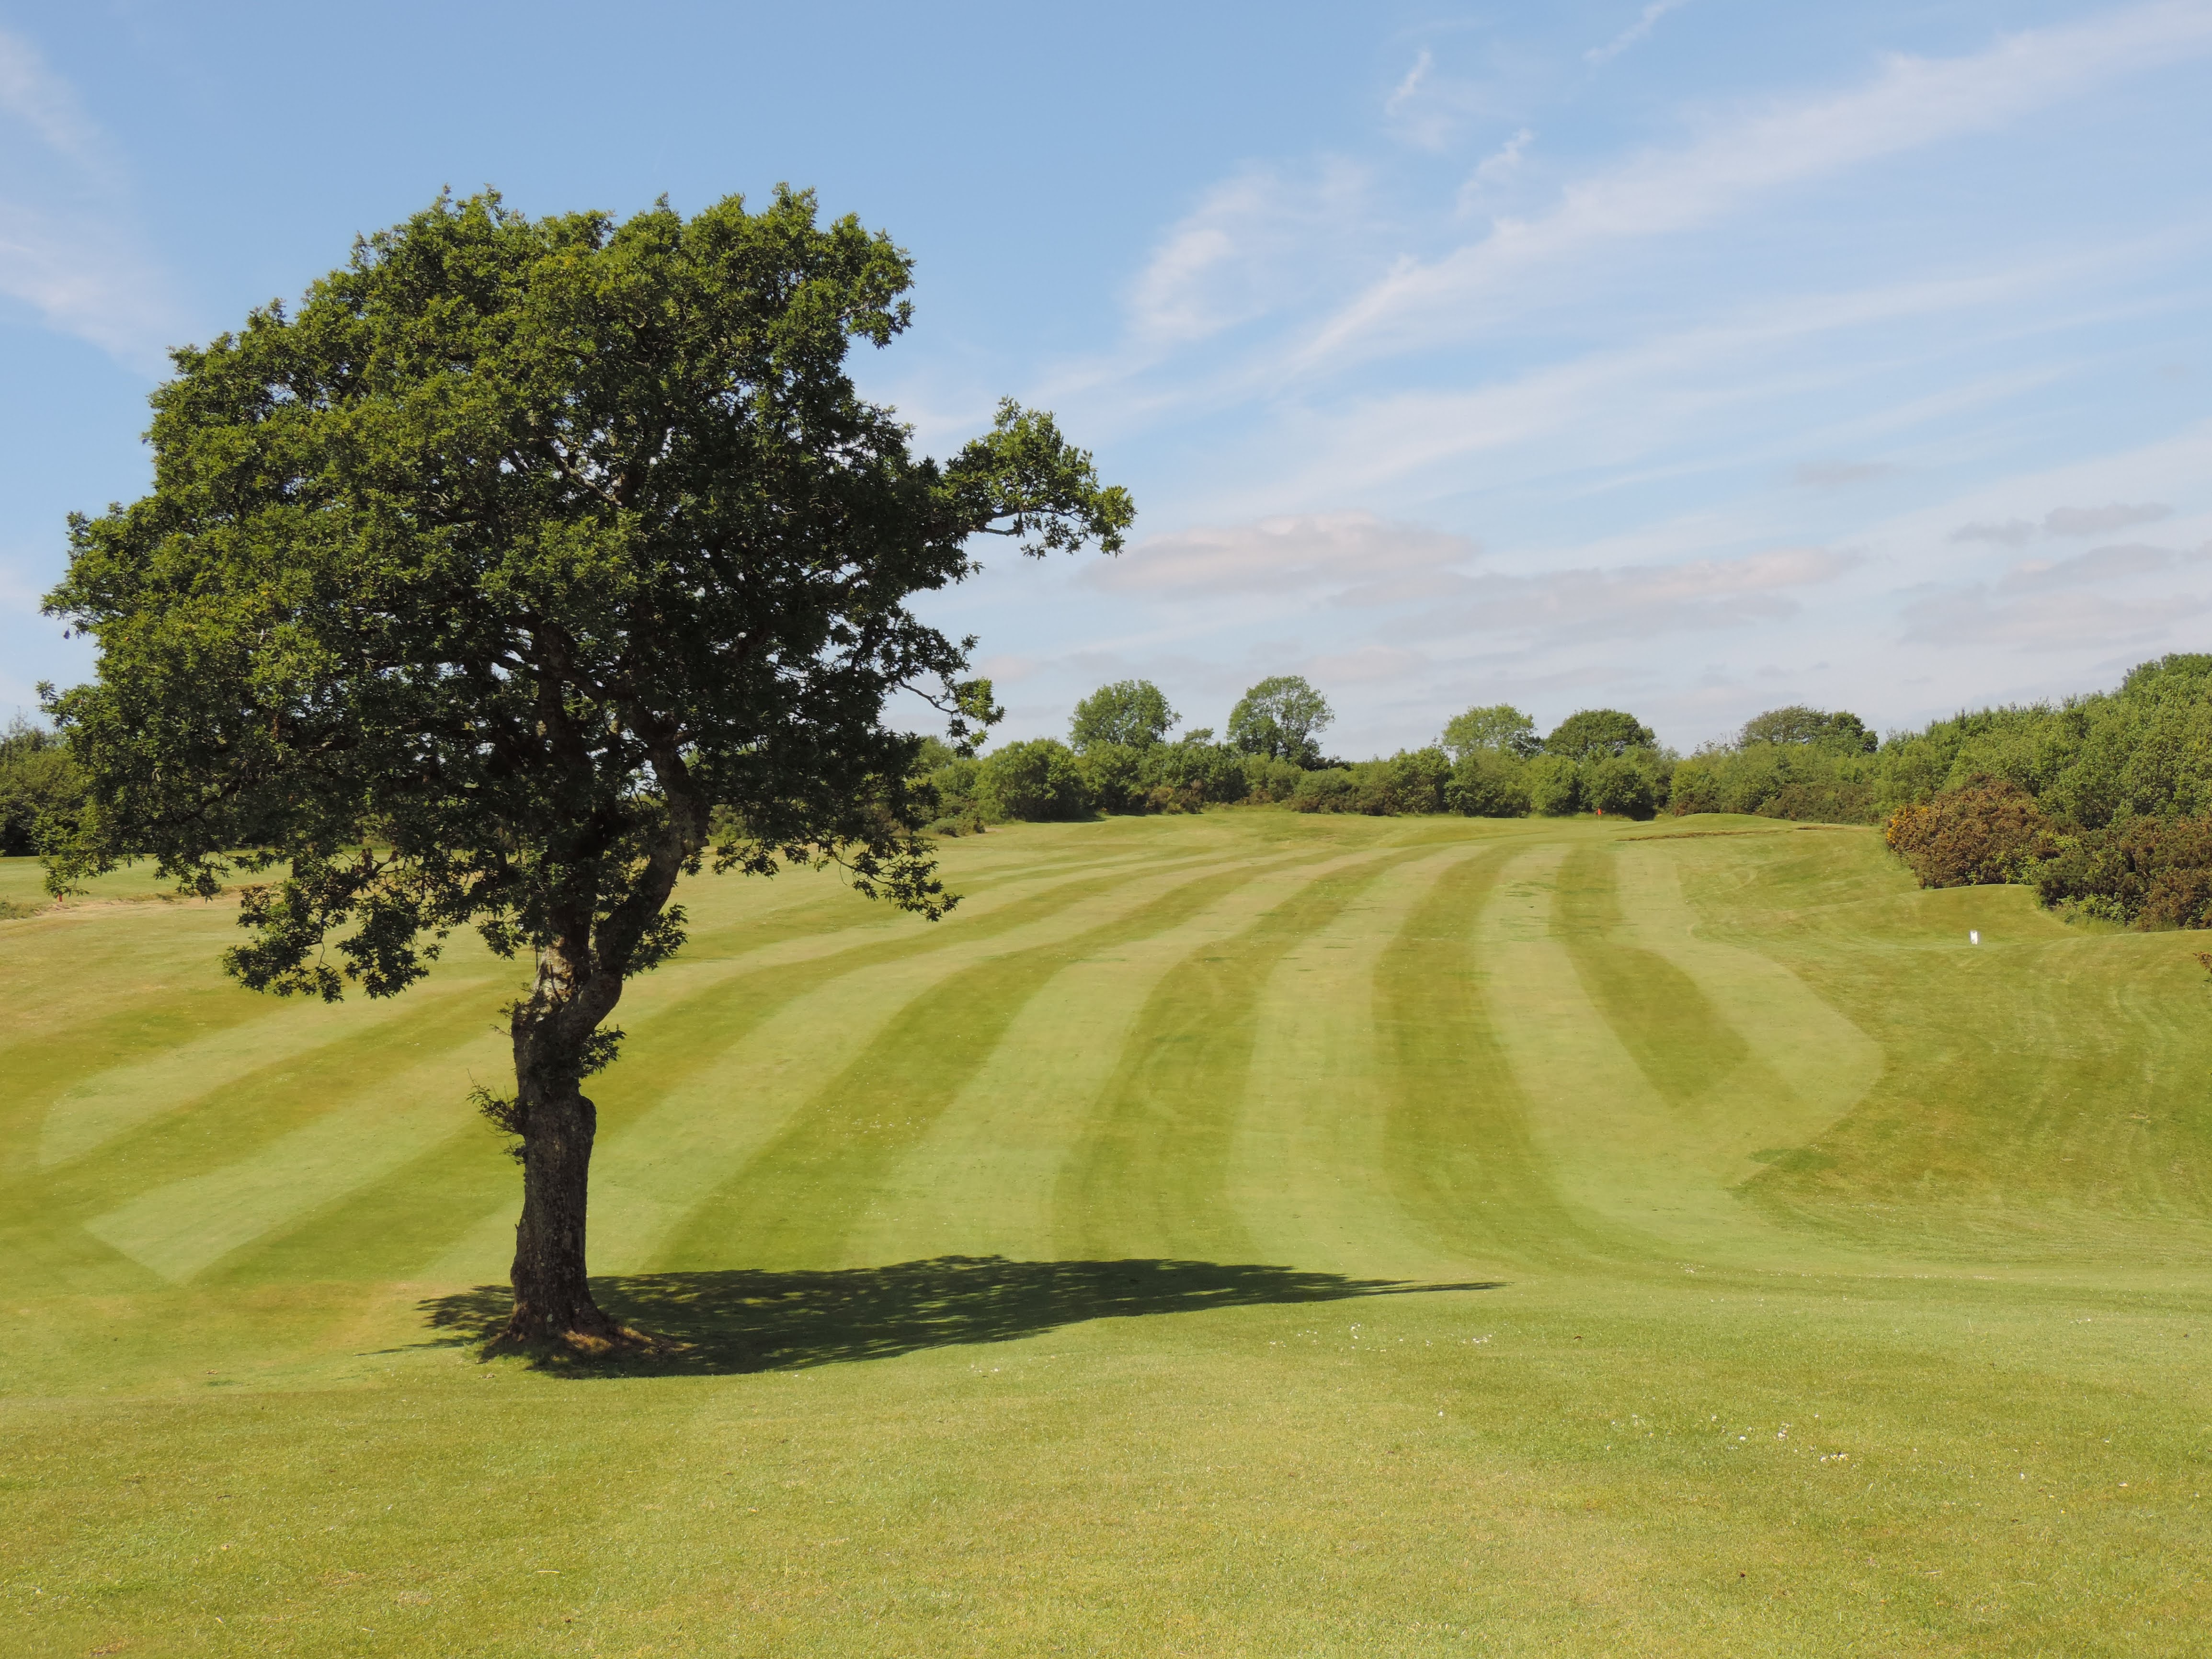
(1500, 727)
(528, 565)
(1798, 724)
(1131, 713)
(1280, 718)
(1588, 732)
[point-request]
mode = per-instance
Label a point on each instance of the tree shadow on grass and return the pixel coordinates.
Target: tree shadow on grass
(740, 1320)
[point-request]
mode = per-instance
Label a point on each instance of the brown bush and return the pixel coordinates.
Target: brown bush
(1986, 834)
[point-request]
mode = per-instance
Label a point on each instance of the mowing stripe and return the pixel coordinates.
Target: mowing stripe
(698, 1005)
(1827, 1063)
(834, 1166)
(980, 1182)
(1606, 1132)
(181, 1228)
(1150, 1176)
(649, 1175)
(96, 1109)
(1307, 1170)
(1456, 1151)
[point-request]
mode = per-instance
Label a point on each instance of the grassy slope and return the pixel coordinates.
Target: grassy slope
(1248, 1234)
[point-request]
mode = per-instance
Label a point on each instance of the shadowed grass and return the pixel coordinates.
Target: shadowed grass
(742, 1319)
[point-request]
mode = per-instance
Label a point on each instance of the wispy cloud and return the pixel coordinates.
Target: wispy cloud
(1910, 103)
(1252, 244)
(1281, 556)
(70, 249)
(2064, 521)
(1646, 20)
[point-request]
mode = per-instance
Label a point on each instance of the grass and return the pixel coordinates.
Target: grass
(1245, 1235)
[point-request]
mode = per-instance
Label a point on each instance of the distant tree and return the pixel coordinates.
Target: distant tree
(1616, 785)
(1592, 732)
(527, 566)
(1280, 718)
(1131, 713)
(1038, 781)
(1554, 787)
(1489, 783)
(1500, 727)
(40, 786)
(1798, 724)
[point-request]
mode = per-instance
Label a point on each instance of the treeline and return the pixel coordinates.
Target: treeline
(1120, 757)
(37, 778)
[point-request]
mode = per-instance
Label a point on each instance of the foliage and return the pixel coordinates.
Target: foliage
(1796, 781)
(1267, 779)
(1623, 786)
(1797, 724)
(1554, 787)
(39, 786)
(1489, 783)
(1589, 733)
(1989, 833)
(1411, 782)
(1280, 718)
(1499, 727)
(1132, 714)
(2154, 872)
(1039, 780)
(465, 595)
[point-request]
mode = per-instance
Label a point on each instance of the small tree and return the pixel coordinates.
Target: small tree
(1131, 713)
(1589, 733)
(1280, 718)
(530, 564)
(1038, 780)
(1500, 727)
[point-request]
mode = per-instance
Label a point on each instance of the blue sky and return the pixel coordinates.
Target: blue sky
(1689, 356)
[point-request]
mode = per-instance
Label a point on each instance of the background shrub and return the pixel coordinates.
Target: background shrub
(1989, 833)
(1036, 781)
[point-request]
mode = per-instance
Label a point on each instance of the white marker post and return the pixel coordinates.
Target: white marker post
(1973, 936)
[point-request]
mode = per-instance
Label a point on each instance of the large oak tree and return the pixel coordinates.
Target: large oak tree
(528, 566)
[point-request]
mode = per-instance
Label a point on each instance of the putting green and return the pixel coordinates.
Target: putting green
(1248, 1234)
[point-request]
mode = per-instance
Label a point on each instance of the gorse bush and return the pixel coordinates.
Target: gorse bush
(1989, 833)
(2152, 872)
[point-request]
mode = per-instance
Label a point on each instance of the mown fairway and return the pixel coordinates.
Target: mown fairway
(1254, 1234)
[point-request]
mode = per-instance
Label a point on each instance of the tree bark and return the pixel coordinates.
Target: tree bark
(558, 1121)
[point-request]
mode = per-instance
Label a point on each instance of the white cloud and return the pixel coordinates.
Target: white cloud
(2100, 567)
(1249, 246)
(1643, 602)
(1410, 88)
(1646, 20)
(69, 248)
(2071, 620)
(1283, 556)
(1911, 103)
(1839, 475)
(1495, 170)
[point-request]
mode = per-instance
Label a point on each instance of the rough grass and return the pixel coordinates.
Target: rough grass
(1245, 1235)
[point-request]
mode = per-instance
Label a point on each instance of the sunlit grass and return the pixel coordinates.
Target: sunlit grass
(1252, 1234)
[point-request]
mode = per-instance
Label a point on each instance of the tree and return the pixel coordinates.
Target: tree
(1500, 727)
(1554, 787)
(1131, 713)
(1797, 724)
(529, 565)
(38, 786)
(1280, 718)
(1489, 783)
(1592, 731)
(1038, 780)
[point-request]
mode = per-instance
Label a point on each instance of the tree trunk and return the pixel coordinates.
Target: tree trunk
(552, 1293)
